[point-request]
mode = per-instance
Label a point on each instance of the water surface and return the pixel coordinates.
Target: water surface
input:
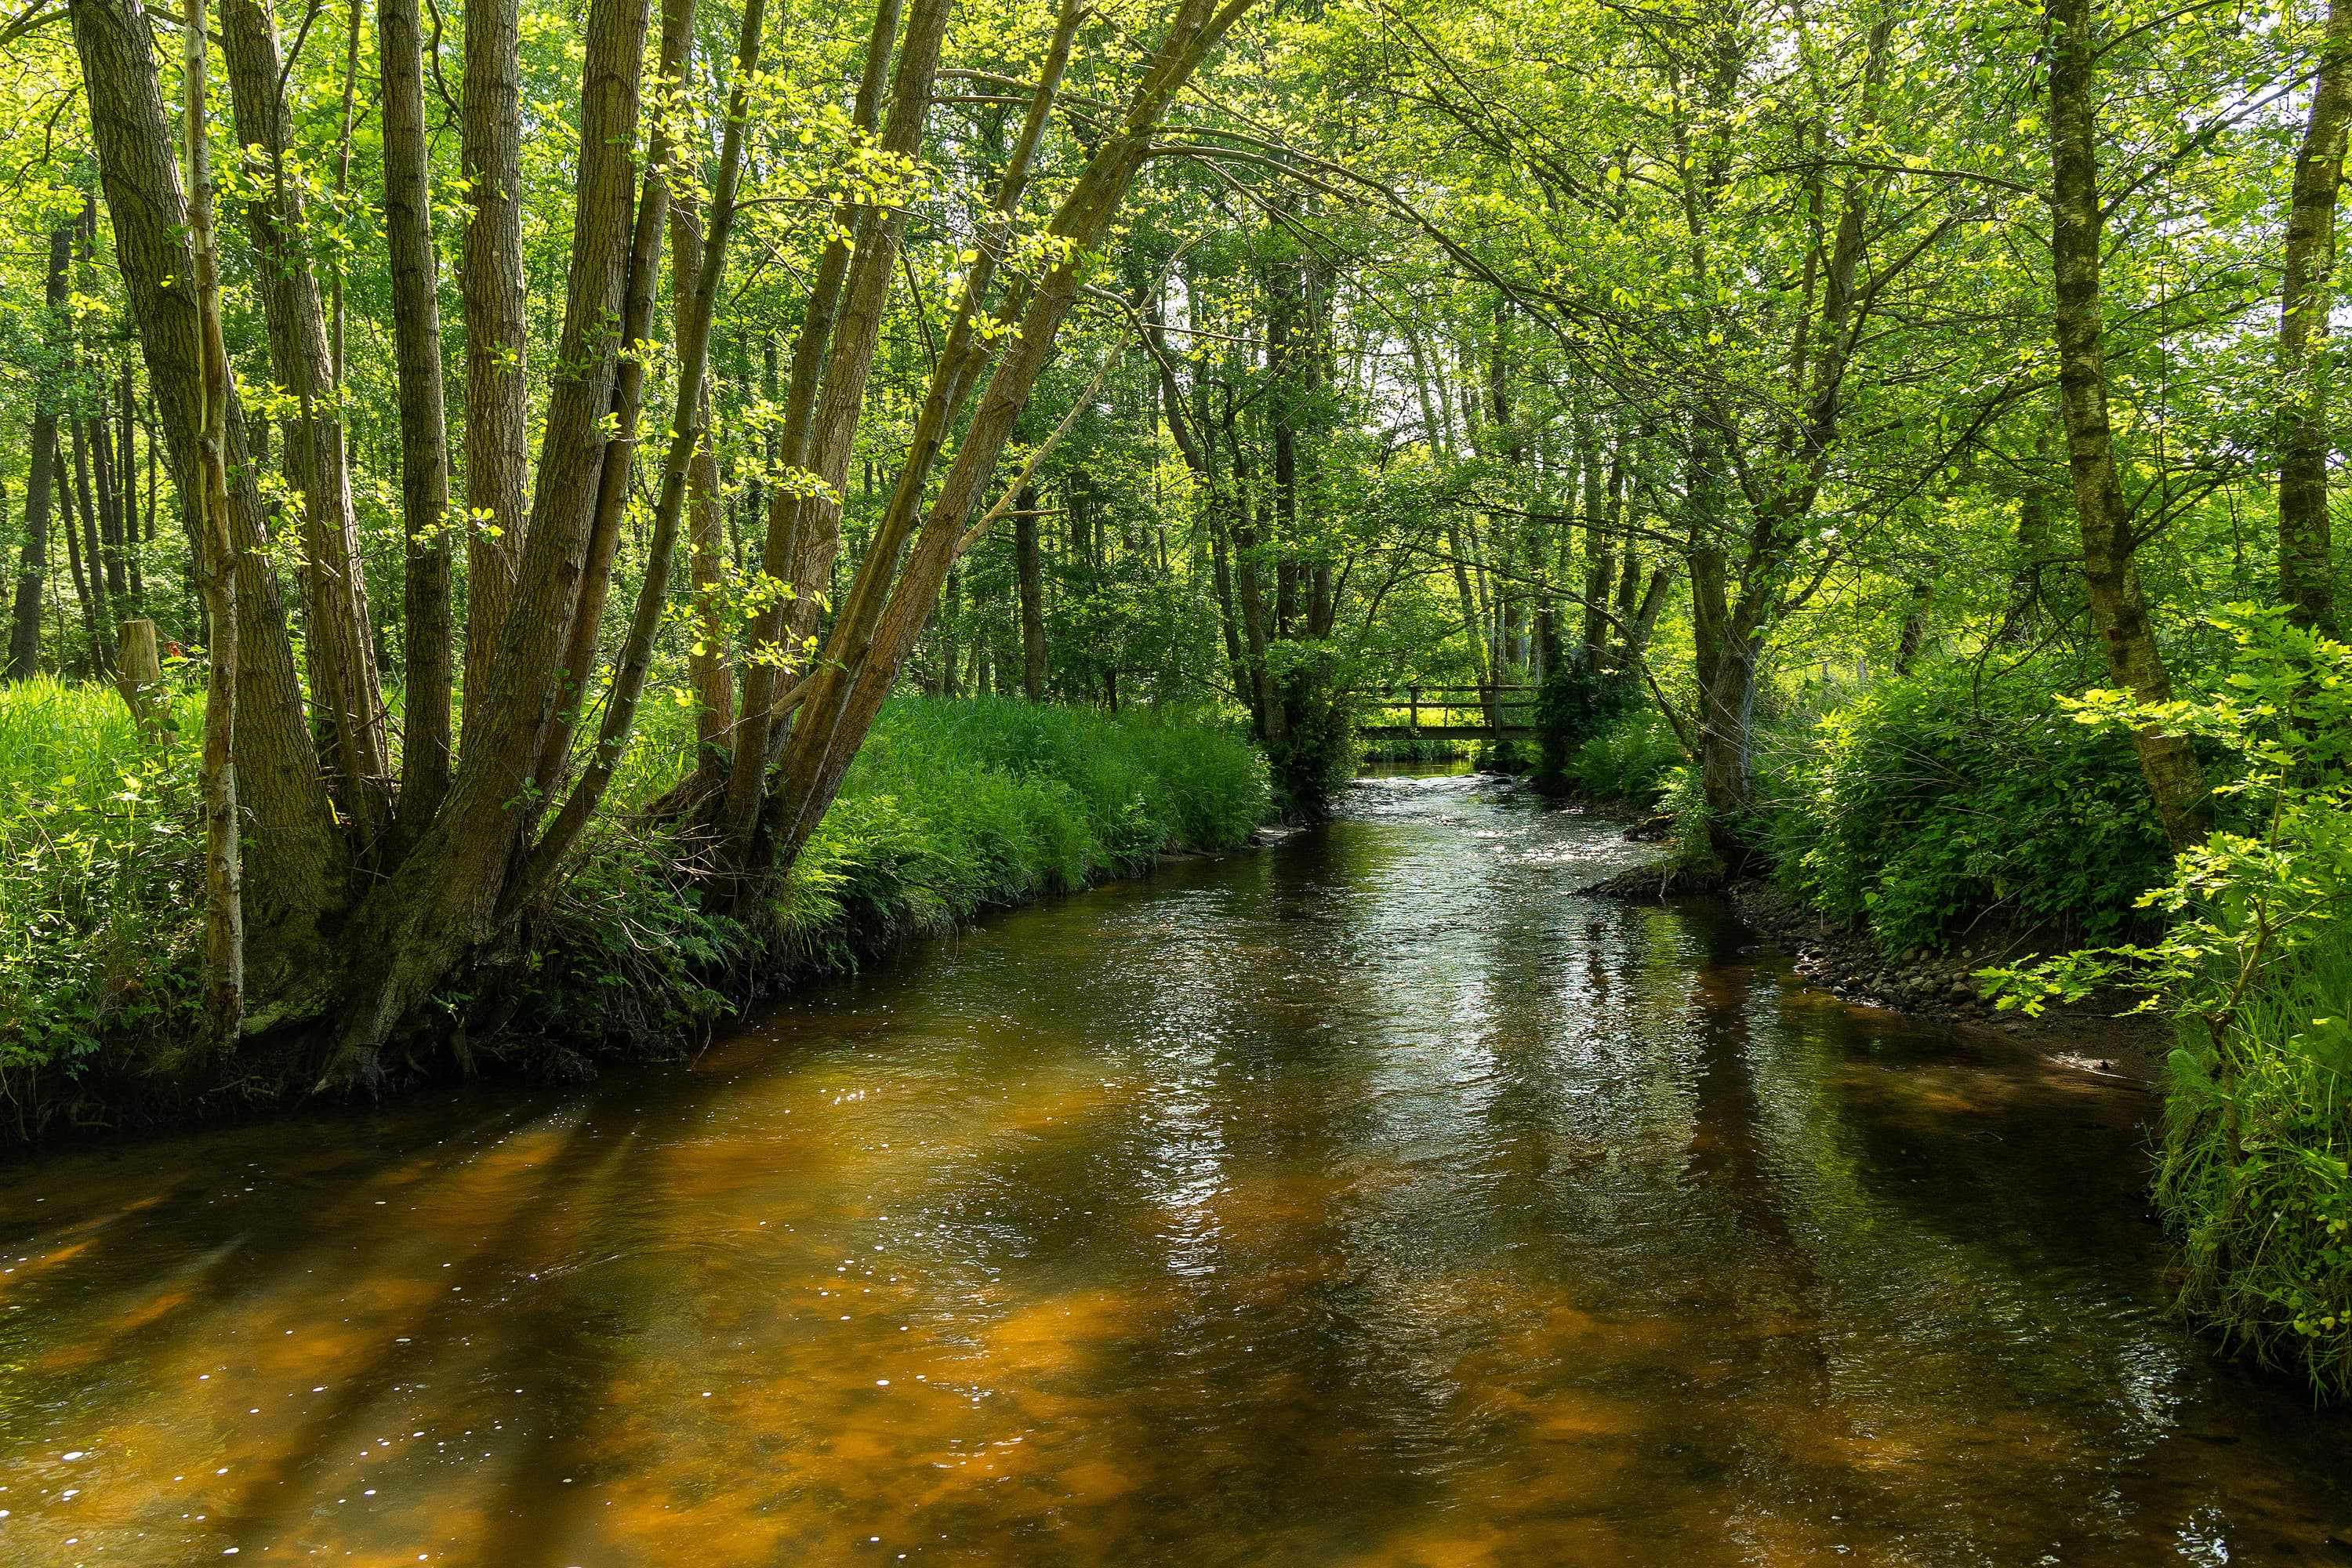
(1376, 1200)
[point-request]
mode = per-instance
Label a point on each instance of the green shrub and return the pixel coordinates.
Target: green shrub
(1573, 708)
(1924, 802)
(1632, 759)
(2252, 1175)
(1320, 751)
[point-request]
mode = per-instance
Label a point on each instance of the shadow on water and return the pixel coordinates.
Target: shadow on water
(1381, 1200)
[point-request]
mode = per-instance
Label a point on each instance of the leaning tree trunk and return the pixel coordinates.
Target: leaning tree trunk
(697, 307)
(1029, 569)
(294, 864)
(707, 668)
(33, 564)
(2306, 294)
(841, 709)
(2118, 603)
(839, 333)
(1600, 560)
(628, 403)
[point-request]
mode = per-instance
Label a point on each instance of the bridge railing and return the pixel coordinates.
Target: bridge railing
(1449, 707)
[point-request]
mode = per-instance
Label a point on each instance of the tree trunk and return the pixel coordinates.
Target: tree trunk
(1914, 628)
(706, 657)
(1600, 560)
(32, 563)
(426, 756)
(498, 334)
(2306, 295)
(294, 864)
(223, 891)
(1255, 639)
(445, 896)
(344, 680)
(97, 614)
(94, 465)
(1029, 566)
(127, 471)
(1221, 567)
(2118, 603)
(699, 302)
(1725, 668)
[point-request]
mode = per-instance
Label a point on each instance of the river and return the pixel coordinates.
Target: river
(1377, 1199)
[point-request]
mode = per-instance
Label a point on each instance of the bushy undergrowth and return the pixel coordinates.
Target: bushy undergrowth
(1320, 751)
(951, 808)
(1635, 758)
(1927, 802)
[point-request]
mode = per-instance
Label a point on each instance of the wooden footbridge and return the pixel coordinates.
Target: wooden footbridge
(1451, 713)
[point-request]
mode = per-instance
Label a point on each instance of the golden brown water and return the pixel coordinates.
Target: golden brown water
(1374, 1201)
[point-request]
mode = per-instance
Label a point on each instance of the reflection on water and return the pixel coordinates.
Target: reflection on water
(1379, 1200)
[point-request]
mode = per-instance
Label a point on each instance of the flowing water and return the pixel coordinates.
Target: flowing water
(1375, 1200)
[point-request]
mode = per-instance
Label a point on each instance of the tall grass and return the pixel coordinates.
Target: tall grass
(100, 886)
(951, 809)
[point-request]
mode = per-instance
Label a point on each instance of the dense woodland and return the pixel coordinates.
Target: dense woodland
(546, 439)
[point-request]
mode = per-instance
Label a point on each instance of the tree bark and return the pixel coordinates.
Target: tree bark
(1029, 568)
(426, 754)
(2118, 603)
(498, 334)
(223, 891)
(1600, 560)
(619, 455)
(2306, 295)
(33, 563)
(97, 612)
(127, 472)
(336, 635)
(688, 430)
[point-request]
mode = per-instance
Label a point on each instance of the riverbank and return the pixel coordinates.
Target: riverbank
(952, 808)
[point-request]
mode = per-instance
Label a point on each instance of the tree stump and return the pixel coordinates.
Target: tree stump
(139, 676)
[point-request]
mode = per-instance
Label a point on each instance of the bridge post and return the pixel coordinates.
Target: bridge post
(1413, 695)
